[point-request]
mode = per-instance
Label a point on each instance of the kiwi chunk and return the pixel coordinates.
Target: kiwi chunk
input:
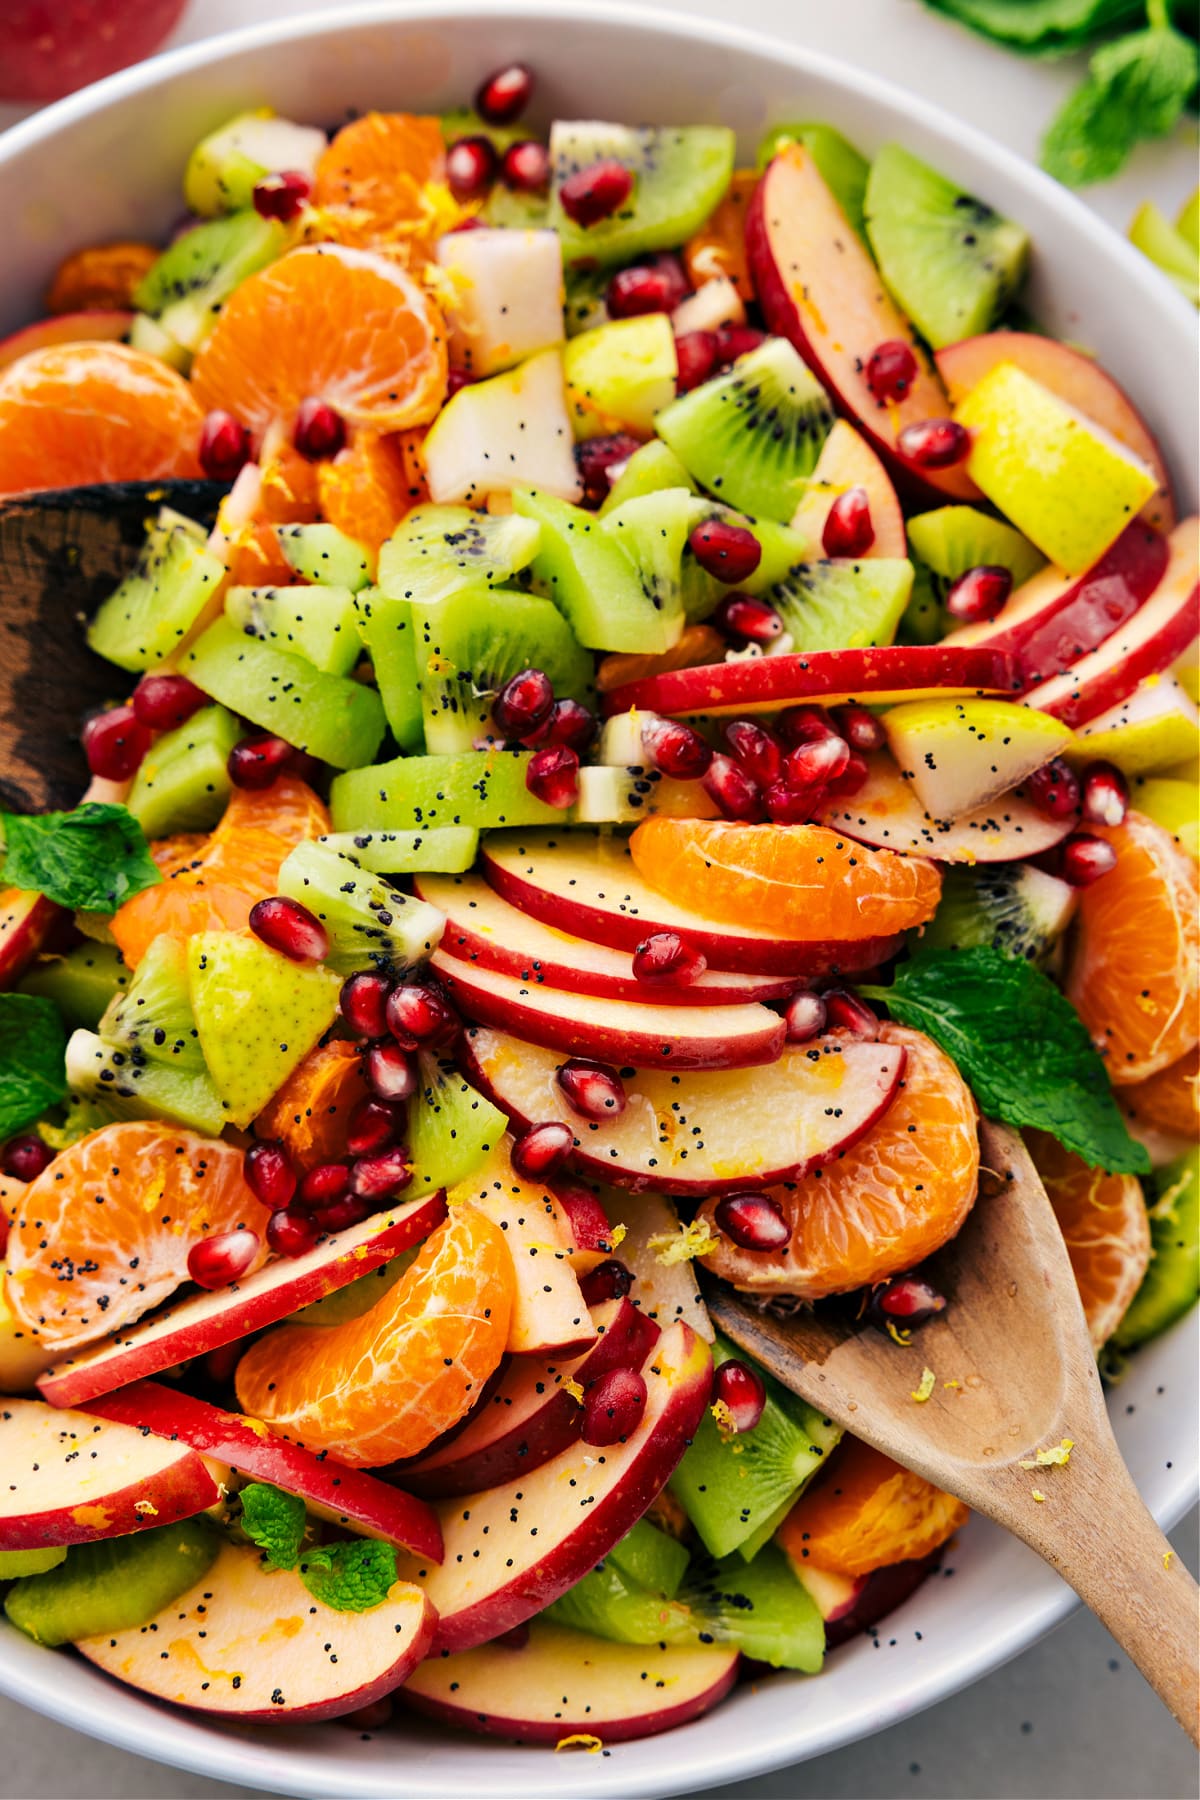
(952, 539)
(81, 983)
(153, 1019)
(331, 717)
(186, 288)
(318, 623)
(480, 788)
(949, 260)
(130, 1088)
(114, 1584)
(842, 168)
(357, 1297)
(385, 626)
(782, 550)
(160, 601)
(436, 550)
(183, 781)
(370, 924)
(15, 1563)
(616, 579)
(648, 471)
(226, 166)
(680, 174)
(446, 850)
(752, 436)
(844, 605)
(585, 305)
(1011, 906)
(322, 553)
(451, 1127)
(1172, 1282)
(760, 1606)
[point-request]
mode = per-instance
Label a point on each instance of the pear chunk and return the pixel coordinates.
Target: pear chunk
(959, 754)
(509, 432)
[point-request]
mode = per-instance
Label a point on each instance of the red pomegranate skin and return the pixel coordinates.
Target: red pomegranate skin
(49, 48)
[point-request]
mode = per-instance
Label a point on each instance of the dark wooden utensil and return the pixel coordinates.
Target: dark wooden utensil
(61, 552)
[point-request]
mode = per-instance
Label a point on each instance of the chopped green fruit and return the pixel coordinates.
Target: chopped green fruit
(157, 605)
(680, 175)
(1171, 1284)
(386, 629)
(322, 553)
(435, 551)
(182, 783)
(654, 467)
(148, 335)
(753, 435)
(445, 850)
(318, 623)
(839, 605)
(331, 717)
(15, 1563)
(463, 121)
(623, 794)
(617, 579)
(1011, 906)
(357, 1297)
(952, 539)
(620, 376)
(258, 1015)
(841, 167)
(1152, 233)
(451, 1128)
(961, 754)
(104, 1074)
(610, 1604)
(185, 288)
(586, 296)
(81, 983)
(1187, 224)
(924, 619)
(113, 1585)
(370, 924)
(652, 1558)
(782, 550)
(760, 1606)
(484, 789)
(1173, 804)
(226, 166)
(1152, 729)
(152, 1020)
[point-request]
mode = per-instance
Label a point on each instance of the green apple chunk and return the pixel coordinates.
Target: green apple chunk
(620, 376)
(959, 754)
(1062, 480)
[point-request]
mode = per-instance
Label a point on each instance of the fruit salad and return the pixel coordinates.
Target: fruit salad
(652, 698)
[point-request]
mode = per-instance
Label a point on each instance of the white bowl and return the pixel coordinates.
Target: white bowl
(106, 163)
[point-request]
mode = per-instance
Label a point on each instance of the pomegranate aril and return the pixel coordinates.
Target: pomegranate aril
(805, 725)
(696, 356)
(860, 728)
(891, 370)
(224, 447)
(324, 1184)
(675, 750)
(614, 1407)
(668, 959)
(755, 749)
(844, 1011)
(1086, 858)
(215, 1262)
(609, 1280)
(787, 805)
(526, 167)
(268, 1173)
(742, 1391)
(161, 702)
(979, 593)
(747, 620)
(374, 1125)
(25, 1157)
(906, 1299)
(392, 1072)
(542, 1149)
(934, 443)
(524, 704)
(258, 762)
(291, 1232)
(735, 792)
(570, 723)
(752, 1221)
(655, 287)
(457, 378)
(596, 192)
(552, 776)
(282, 194)
(814, 764)
(592, 1089)
(1105, 794)
(363, 1003)
(852, 777)
(597, 458)
(736, 340)
(386, 1172)
(319, 432)
(114, 743)
(419, 1015)
(290, 928)
(848, 528)
(1054, 789)
(339, 1215)
(505, 94)
(727, 552)
(471, 165)
(804, 1017)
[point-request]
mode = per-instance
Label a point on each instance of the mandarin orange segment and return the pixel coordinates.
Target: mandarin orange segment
(864, 1511)
(891, 1200)
(104, 1233)
(1170, 1100)
(368, 487)
(347, 326)
(372, 179)
(1105, 1226)
(719, 247)
(800, 881)
(384, 1385)
(79, 413)
(1134, 977)
(312, 1109)
(288, 493)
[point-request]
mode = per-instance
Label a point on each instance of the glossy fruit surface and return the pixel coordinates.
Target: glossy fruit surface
(1170, 1100)
(370, 182)
(864, 1511)
(1106, 1228)
(310, 1114)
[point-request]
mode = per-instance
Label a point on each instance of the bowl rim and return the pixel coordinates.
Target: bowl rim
(228, 1754)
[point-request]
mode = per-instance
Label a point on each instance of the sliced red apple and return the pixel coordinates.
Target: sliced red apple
(587, 1226)
(587, 884)
(768, 683)
(712, 1132)
(1053, 619)
(886, 812)
(620, 1031)
(331, 1490)
(70, 1478)
(484, 929)
(513, 1549)
(847, 461)
(26, 920)
(819, 288)
(202, 1322)
(251, 1643)
(853, 1603)
(64, 328)
(534, 1412)
(1149, 642)
(561, 1683)
(664, 1286)
(1074, 377)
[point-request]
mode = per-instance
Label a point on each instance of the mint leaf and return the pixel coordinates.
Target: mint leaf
(275, 1521)
(1019, 1044)
(1042, 27)
(91, 859)
(352, 1576)
(1136, 88)
(33, 1075)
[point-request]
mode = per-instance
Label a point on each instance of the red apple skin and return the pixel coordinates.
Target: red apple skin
(26, 921)
(876, 1595)
(1075, 378)
(49, 48)
(818, 288)
(348, 1496)
(202, 1322)
(65, 328)
(587, 1222)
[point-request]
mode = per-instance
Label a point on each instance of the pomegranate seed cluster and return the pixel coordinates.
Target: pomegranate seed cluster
(785, 772)
(525, 712)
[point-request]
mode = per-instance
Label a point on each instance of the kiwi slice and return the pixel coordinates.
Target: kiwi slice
(160, 601)
(129, 1087)
(446, 850)
(949, 260)
(386, 628)
(782, 549)
(226, 166)
(586, 298)
(436, 550)
(322, 553)
(842, 168)
(752, 436)
(844, 605)
(152, 1019)
(1012, 906)
(357, 1297)
(451, 1127)
(114, 1584)
(760, 1606)
(186, 288)
(924, 620)
(1172, 1282)
(318, 623)
(649, 470)
(148, 335)
(484, 789)
(616, 579)
(952, 539)
(610, 1604)
(81, 983)
(680, 174)
(371, 925)
(183, 781)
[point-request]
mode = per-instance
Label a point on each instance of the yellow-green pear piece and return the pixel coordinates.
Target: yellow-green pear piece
(1155, 728)
(959, 754)
(1175, 805)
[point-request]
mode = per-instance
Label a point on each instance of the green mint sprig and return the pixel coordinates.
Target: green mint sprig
(91, 859)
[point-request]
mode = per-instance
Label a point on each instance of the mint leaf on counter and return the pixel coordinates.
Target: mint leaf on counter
(1136, 88)
(350, 1577)
(1019, 1044)
(91, 859)
(1042, 27)
(275, 1521)
(33, 1073)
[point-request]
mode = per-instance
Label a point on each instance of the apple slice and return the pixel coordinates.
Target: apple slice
(65, 328)
(70, 1478)
(202, 1322)
(1053, 619)
(707, 1133)
(511, 1550)
(853, 1603)
(1159, 631)
(330, 1489)
(489, 932)
(876, 674)
(533, 1413)
(665, 1290)
(561, 1684)
(587, 884)
(887, 812)
(846, 461)
(25, 922)
(960, 755)
(620, 1031)
(819, 288)
(587, 1226)
(252, 1644)
(1075, 378)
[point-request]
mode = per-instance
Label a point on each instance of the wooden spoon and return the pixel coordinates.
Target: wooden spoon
(1014, 1336)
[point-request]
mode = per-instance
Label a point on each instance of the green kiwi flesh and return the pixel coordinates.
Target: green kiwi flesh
(843, 605)
(841, 167)
(159, 602)
(451, 1127)
(316, 622)
(680, 174)
(1172, 1282)
(371, 925)
(81, 983)
(133, 1088)
(445, 850)
(1011, 906)
(385, 626)
(648, 471)
(322, 553)
(114, 1584)
(952, 539)
(182, 783)
(484, 789)
(616, 579)
(186, 288)
(226, 166)
(436, 550)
